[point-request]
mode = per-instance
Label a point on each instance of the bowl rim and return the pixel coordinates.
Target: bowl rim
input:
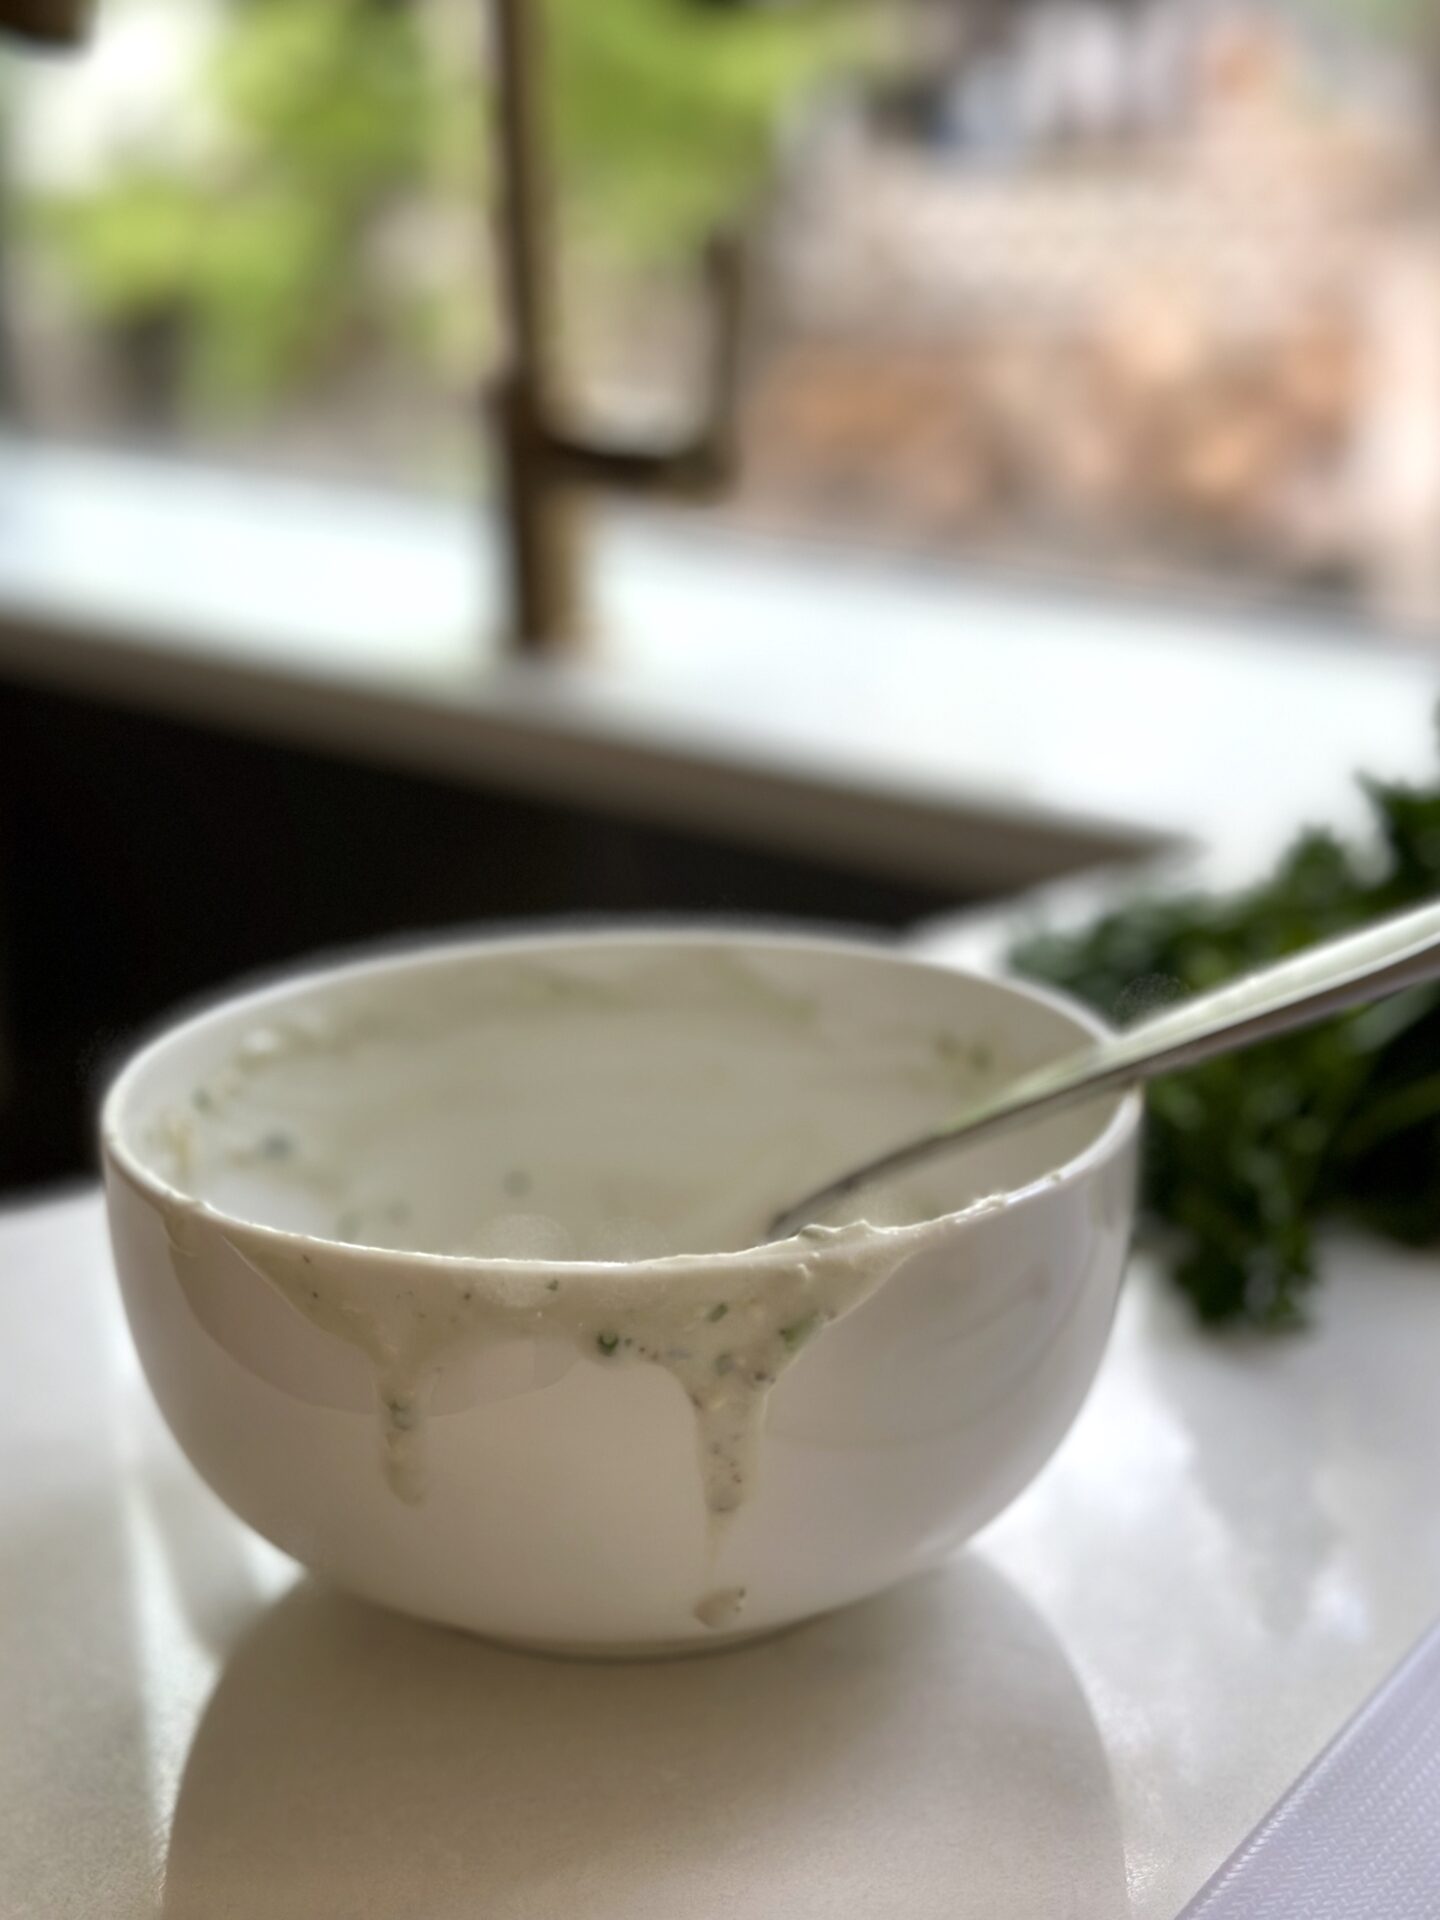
(392, 957)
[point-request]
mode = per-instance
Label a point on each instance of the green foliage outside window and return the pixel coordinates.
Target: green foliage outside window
(334, 120)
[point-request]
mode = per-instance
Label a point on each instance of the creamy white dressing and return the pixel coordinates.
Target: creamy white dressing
(721, 1607)
(598, 1144)
(724, 1331)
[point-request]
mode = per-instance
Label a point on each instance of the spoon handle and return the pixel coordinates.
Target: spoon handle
(1307, 987)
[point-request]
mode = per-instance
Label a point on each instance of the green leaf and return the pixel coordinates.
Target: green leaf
(1246, 1157)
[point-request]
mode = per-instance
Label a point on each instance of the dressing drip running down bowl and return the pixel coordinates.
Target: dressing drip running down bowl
(439, 1268)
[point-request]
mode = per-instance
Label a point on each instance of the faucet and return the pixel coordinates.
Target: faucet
(543, 464)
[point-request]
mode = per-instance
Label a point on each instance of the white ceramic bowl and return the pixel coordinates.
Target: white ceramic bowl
(424, 1257)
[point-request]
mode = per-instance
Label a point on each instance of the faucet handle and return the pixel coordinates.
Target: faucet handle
(704, 464)
(715, 448)
(728, 279)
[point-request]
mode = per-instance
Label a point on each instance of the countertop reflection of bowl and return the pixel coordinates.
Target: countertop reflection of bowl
(352, 1766)
(441, 1269)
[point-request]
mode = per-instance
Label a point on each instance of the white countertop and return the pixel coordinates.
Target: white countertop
(1076, 1720)
(908, 717)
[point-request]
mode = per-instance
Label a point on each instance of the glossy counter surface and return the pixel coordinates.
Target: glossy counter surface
(1080, 1717)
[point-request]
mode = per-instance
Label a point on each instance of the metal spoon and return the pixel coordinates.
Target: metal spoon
(1322, 980)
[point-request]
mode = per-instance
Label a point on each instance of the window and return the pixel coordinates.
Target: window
(1124, 292)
